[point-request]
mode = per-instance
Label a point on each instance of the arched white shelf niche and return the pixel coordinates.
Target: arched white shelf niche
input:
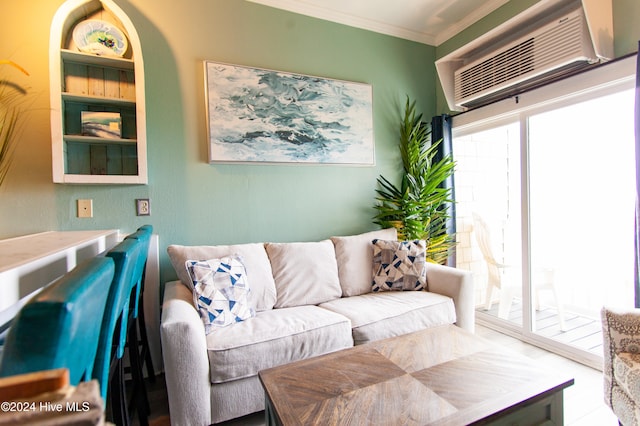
(96, 83)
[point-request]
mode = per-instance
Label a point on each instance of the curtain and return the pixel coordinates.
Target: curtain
(441, 129)
(637, 224)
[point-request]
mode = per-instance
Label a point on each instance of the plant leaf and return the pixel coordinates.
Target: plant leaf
(418, 207)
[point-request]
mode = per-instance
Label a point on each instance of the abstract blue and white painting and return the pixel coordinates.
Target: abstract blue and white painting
(258, 115)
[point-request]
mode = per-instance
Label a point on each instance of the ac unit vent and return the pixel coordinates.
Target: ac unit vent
(557, 46)
(503, 67)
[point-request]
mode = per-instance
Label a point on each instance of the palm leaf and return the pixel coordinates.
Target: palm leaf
(417, 208)
(9, 120)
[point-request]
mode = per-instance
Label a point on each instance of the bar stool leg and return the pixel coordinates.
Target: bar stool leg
(139, 389)
(145, 352)
(118, 396)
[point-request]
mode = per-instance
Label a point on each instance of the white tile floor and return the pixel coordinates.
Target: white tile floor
(583, 402)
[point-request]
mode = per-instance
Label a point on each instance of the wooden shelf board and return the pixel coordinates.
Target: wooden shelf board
(106, 61)
(97, 99)
(95, 139)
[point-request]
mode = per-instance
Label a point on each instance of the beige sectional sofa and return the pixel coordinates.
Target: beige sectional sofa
(309, 299)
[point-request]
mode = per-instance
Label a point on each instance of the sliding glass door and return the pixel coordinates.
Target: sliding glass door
(545, 218)
(488, 216)
(581, 215)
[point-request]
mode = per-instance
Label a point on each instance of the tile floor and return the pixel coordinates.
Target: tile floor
(583, 402)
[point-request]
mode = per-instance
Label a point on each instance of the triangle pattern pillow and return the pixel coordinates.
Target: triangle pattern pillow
(399, 265)
(221, 291)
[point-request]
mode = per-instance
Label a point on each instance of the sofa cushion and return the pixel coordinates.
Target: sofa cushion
(399, 265)
(254, 258)
(376, 316)
(355, 257)
(304, 273)
(274, 338)
(221, 291)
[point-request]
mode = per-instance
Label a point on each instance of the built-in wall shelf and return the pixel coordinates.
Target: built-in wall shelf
(94, 140)
(108, 147)
(87, 59)
(71, 97)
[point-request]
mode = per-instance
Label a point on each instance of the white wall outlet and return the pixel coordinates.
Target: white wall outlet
(85, 208)
(143, 207)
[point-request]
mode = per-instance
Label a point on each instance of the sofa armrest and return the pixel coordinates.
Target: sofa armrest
(458, 285)
(186, 363)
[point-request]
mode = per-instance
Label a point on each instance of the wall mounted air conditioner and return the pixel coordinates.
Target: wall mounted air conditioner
(553, 40)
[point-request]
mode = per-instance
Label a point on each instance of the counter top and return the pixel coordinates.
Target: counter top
(18, 251)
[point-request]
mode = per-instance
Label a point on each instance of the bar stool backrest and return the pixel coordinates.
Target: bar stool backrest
(60, 326)
(124, 256)
(143, 234)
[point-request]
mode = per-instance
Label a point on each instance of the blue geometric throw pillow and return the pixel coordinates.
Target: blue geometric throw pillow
(221, 291)
(399, 265)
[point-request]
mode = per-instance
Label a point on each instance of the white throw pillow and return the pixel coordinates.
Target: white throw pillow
(355, 257)
(304, 273)
(254, 258)
(221, 291)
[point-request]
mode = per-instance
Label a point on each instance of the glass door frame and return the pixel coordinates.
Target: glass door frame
(606, 79)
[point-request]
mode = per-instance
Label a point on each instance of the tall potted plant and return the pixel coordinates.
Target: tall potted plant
(9, 115)
(417, 208)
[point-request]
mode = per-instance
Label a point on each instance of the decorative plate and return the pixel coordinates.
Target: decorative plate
(100, 38)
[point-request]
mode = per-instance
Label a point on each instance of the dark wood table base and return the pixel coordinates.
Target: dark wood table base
(439, 376)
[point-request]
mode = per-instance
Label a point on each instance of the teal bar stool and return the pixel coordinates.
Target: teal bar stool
(60, 326)
(137, 340)
(109, 369)
(143, 234)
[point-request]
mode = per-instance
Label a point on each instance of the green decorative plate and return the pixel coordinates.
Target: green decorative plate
(100, 38)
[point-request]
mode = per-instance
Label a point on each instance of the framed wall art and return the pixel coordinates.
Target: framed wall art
(264, 116)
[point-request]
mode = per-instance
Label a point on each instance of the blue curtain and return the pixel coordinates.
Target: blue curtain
(441, 129)
(637, 225)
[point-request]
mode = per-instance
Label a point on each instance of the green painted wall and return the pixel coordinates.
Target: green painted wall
(194, 202)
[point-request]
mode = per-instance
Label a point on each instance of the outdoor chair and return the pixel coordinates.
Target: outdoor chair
(543, 278)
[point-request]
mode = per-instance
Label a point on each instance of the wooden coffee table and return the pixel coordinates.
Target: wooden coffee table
(439, 376)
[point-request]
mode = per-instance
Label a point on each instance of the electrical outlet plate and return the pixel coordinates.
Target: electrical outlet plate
(85, 208)
(143, 207)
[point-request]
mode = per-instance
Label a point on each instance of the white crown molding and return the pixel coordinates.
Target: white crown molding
(426, 37)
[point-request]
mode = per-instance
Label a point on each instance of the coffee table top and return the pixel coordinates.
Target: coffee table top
(439, 376)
